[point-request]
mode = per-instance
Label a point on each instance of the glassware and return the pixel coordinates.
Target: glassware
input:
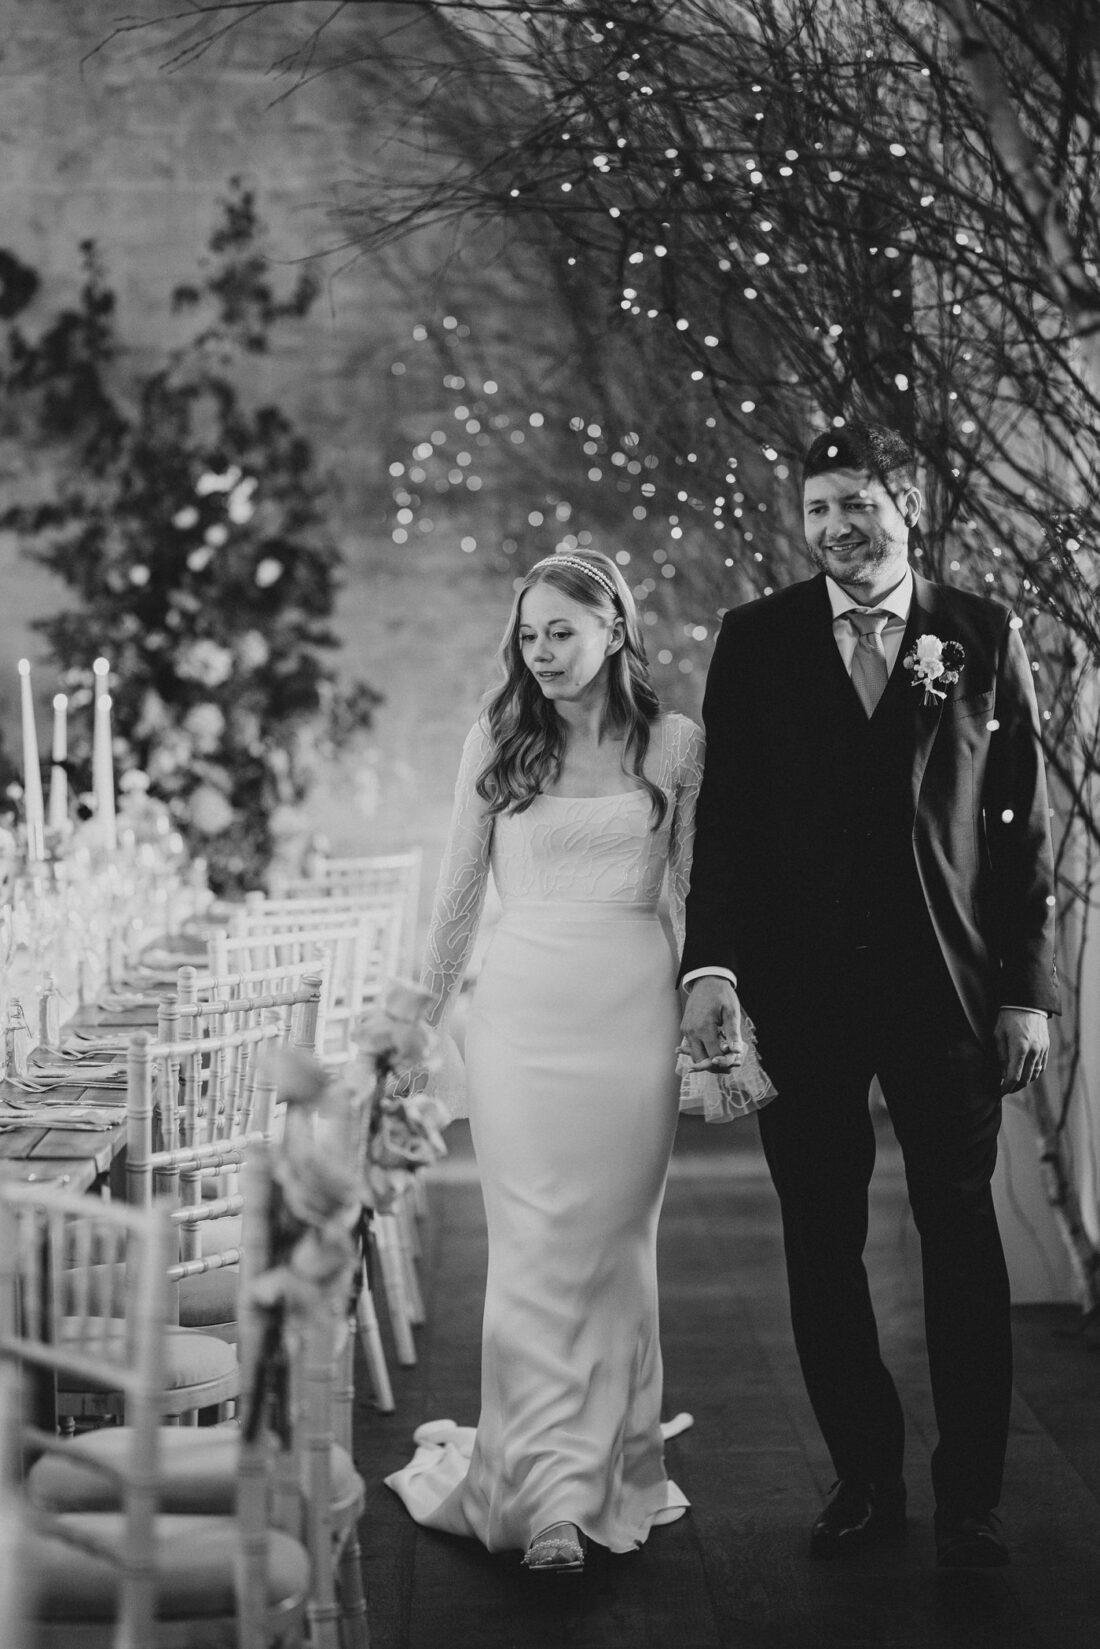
(18, 1040)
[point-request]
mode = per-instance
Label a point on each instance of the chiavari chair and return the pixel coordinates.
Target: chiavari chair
(389, 877)
(342, 940)
(393, 1230)
(317, 1494)
(192, 1078)
(383, 919)
(205, 1004)
(197, 1079)
(121, 1573)
(208, 1302)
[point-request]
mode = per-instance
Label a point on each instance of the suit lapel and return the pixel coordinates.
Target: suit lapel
(926, 617)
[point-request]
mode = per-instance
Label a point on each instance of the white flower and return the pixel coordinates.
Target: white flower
(268, 572)
(210, 482)
(216, 535)
(210, 812)
(239, 506)
(205, 661)
(253, 651)
(206, 724)
(928, 648)
(931, 660)
(185, 518)
(139, 575)
(200, 558)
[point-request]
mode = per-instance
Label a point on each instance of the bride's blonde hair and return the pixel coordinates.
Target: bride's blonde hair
(528, 737)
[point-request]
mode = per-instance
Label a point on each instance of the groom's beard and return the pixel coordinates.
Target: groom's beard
(875, 551)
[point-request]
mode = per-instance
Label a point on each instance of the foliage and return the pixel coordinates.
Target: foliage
(192, 527)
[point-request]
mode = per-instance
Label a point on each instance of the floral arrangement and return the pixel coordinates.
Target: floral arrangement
(932, 660)
(193, 528)
(347, 1142)
(407, 1124)
(315, 1215)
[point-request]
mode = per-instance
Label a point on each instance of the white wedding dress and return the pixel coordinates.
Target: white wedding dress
(570, 1061)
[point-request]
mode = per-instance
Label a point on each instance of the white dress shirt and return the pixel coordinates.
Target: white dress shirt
(897, 603)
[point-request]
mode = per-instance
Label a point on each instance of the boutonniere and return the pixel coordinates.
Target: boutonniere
(935, 665)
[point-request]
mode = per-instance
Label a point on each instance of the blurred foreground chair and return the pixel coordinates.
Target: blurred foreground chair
(128, 1576)
(317, 1494)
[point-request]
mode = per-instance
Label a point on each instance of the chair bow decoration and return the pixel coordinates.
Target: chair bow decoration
(347, 1142)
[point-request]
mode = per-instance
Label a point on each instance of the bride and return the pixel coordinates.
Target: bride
(580, 796)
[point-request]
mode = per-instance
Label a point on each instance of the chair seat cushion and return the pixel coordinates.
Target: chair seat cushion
(198, 1473)
(210, 1297)
(195, 1559)
(220, 1234)
(191, 1359)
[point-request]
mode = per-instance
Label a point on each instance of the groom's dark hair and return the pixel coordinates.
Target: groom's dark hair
(862, 445)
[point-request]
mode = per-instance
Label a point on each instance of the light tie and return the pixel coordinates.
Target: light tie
(869, 670)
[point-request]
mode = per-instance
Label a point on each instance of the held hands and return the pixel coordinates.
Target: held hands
(1022, 1040)
(711, 1025)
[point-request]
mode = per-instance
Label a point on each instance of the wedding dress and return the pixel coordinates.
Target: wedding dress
(570, 1063)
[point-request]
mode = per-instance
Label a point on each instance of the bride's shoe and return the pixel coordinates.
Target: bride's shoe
(557, 1550)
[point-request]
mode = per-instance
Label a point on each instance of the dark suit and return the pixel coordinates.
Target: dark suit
(880, 887)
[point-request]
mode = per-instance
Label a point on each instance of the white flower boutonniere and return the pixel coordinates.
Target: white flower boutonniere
(935, 665)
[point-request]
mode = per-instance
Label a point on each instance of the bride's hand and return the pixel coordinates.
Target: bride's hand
(711, 1025)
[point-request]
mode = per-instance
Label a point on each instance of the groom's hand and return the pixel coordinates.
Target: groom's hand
(711, 1024)
(1022, 1039)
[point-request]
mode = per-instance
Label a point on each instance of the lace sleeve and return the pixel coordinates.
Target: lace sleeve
(460, 891)
(686, 777)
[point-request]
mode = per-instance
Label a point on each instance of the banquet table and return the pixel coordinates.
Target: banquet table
(37, 1151)
(77, 1158)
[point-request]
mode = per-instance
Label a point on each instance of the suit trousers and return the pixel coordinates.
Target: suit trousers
(895, 1015)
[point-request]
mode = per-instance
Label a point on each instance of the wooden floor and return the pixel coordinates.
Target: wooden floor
(735, 1571)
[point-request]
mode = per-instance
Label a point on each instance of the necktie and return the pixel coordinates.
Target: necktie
(869, 672)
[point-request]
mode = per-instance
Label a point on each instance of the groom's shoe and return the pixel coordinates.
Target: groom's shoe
(858, 1514)
(969, 1540)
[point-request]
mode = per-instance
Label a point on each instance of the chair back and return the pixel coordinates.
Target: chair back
(390, 877)
(380, 917)
(345, 941)
(38, 1228)
(205, 1005)
(173, 1163)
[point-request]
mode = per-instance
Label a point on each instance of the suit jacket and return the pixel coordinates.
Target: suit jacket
(763, 898)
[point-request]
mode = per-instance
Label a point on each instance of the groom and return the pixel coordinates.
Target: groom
(873, 879)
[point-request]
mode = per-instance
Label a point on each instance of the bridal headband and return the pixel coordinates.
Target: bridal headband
(578, 566)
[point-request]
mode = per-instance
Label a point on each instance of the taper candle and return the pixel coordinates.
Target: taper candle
(32, 774)
(59, 784)
(103, 775)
